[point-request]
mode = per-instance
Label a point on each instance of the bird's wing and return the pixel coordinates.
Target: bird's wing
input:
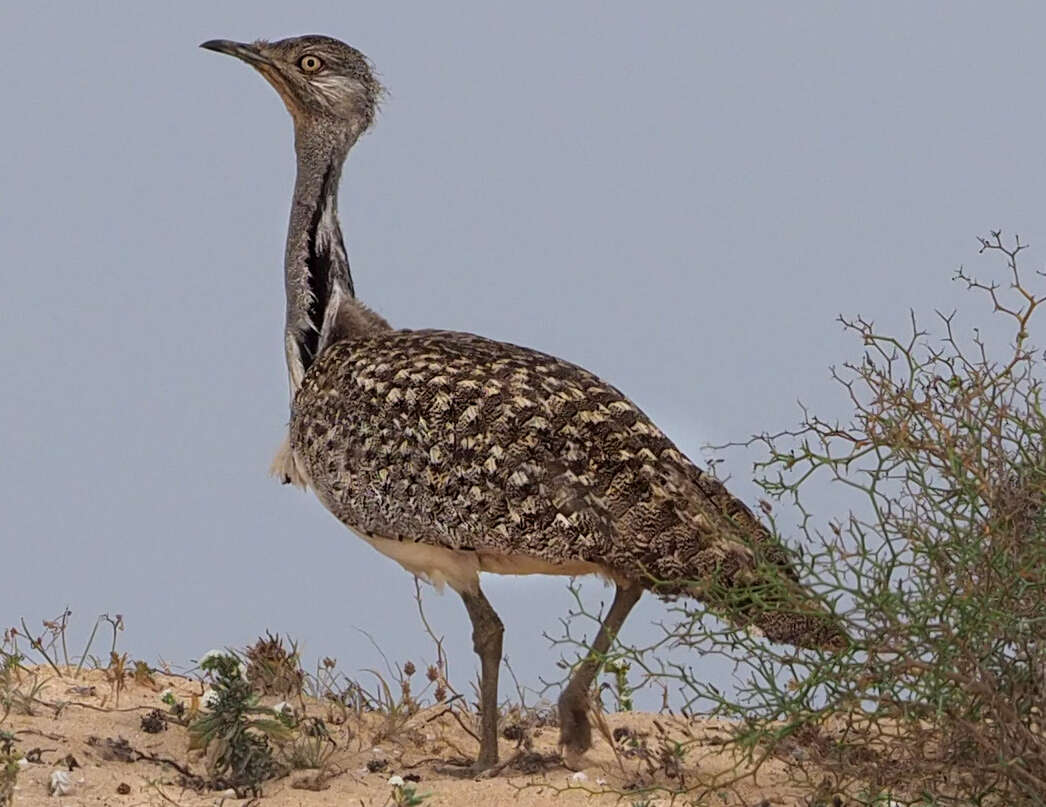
(454, 439)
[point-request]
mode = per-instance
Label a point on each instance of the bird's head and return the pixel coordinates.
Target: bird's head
(324, 82)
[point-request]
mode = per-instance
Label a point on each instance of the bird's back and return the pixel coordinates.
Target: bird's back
(462, 442)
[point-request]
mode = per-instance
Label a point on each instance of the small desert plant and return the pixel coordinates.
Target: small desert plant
(395, 710)
(9, 767)
(116, 674)
(312, 747)
(53, 640)
(10, 674)
(236, 732)
(19, 685)
(273, 669)
(404, 794)
(177, 711)
(143, 675)
(342, 695)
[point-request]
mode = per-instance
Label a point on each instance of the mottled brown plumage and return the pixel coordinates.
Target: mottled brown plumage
(460, 441)
(455, 454)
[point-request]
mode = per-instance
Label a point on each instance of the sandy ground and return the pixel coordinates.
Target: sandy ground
(118, 763)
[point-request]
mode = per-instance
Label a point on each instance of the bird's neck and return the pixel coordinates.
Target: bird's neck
(316, 264)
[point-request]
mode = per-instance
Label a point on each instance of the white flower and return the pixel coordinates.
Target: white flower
(579, 777)
(209, 699)
(241, 668)
(396, 781)
(22, 762)
(167, 693)
(283, 708)
(61, 783)
(211, 654)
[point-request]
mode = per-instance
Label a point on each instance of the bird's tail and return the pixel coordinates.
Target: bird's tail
(773, 601)
(757, 587)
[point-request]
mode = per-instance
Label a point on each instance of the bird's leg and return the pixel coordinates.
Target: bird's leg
(575, 732)
(486, 641)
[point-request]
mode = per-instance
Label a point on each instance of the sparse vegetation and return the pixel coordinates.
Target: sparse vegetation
(236, 732)
(312, 746)
(243, 742)
(18, 685)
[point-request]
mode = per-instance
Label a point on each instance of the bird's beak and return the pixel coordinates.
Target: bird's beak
(256, 56)
(241, 50)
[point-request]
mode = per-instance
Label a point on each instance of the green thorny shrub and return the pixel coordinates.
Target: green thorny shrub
(235, 731)
(939, 569)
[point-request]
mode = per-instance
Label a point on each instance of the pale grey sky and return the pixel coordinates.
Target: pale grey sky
(680, 197)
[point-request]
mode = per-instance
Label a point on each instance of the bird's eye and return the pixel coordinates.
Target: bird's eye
(310, 64)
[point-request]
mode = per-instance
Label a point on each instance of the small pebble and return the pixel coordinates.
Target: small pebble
(61, 783)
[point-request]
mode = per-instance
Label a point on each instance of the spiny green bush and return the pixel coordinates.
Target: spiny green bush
(938, 563)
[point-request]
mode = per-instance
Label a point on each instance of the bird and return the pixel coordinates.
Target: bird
(455, 454)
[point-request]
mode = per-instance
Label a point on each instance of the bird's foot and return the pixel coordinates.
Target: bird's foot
(575, 759)
(575, 732)
(464, 769)
(527, 762)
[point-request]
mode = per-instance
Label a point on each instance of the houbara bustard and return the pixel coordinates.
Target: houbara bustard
(454, 454)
